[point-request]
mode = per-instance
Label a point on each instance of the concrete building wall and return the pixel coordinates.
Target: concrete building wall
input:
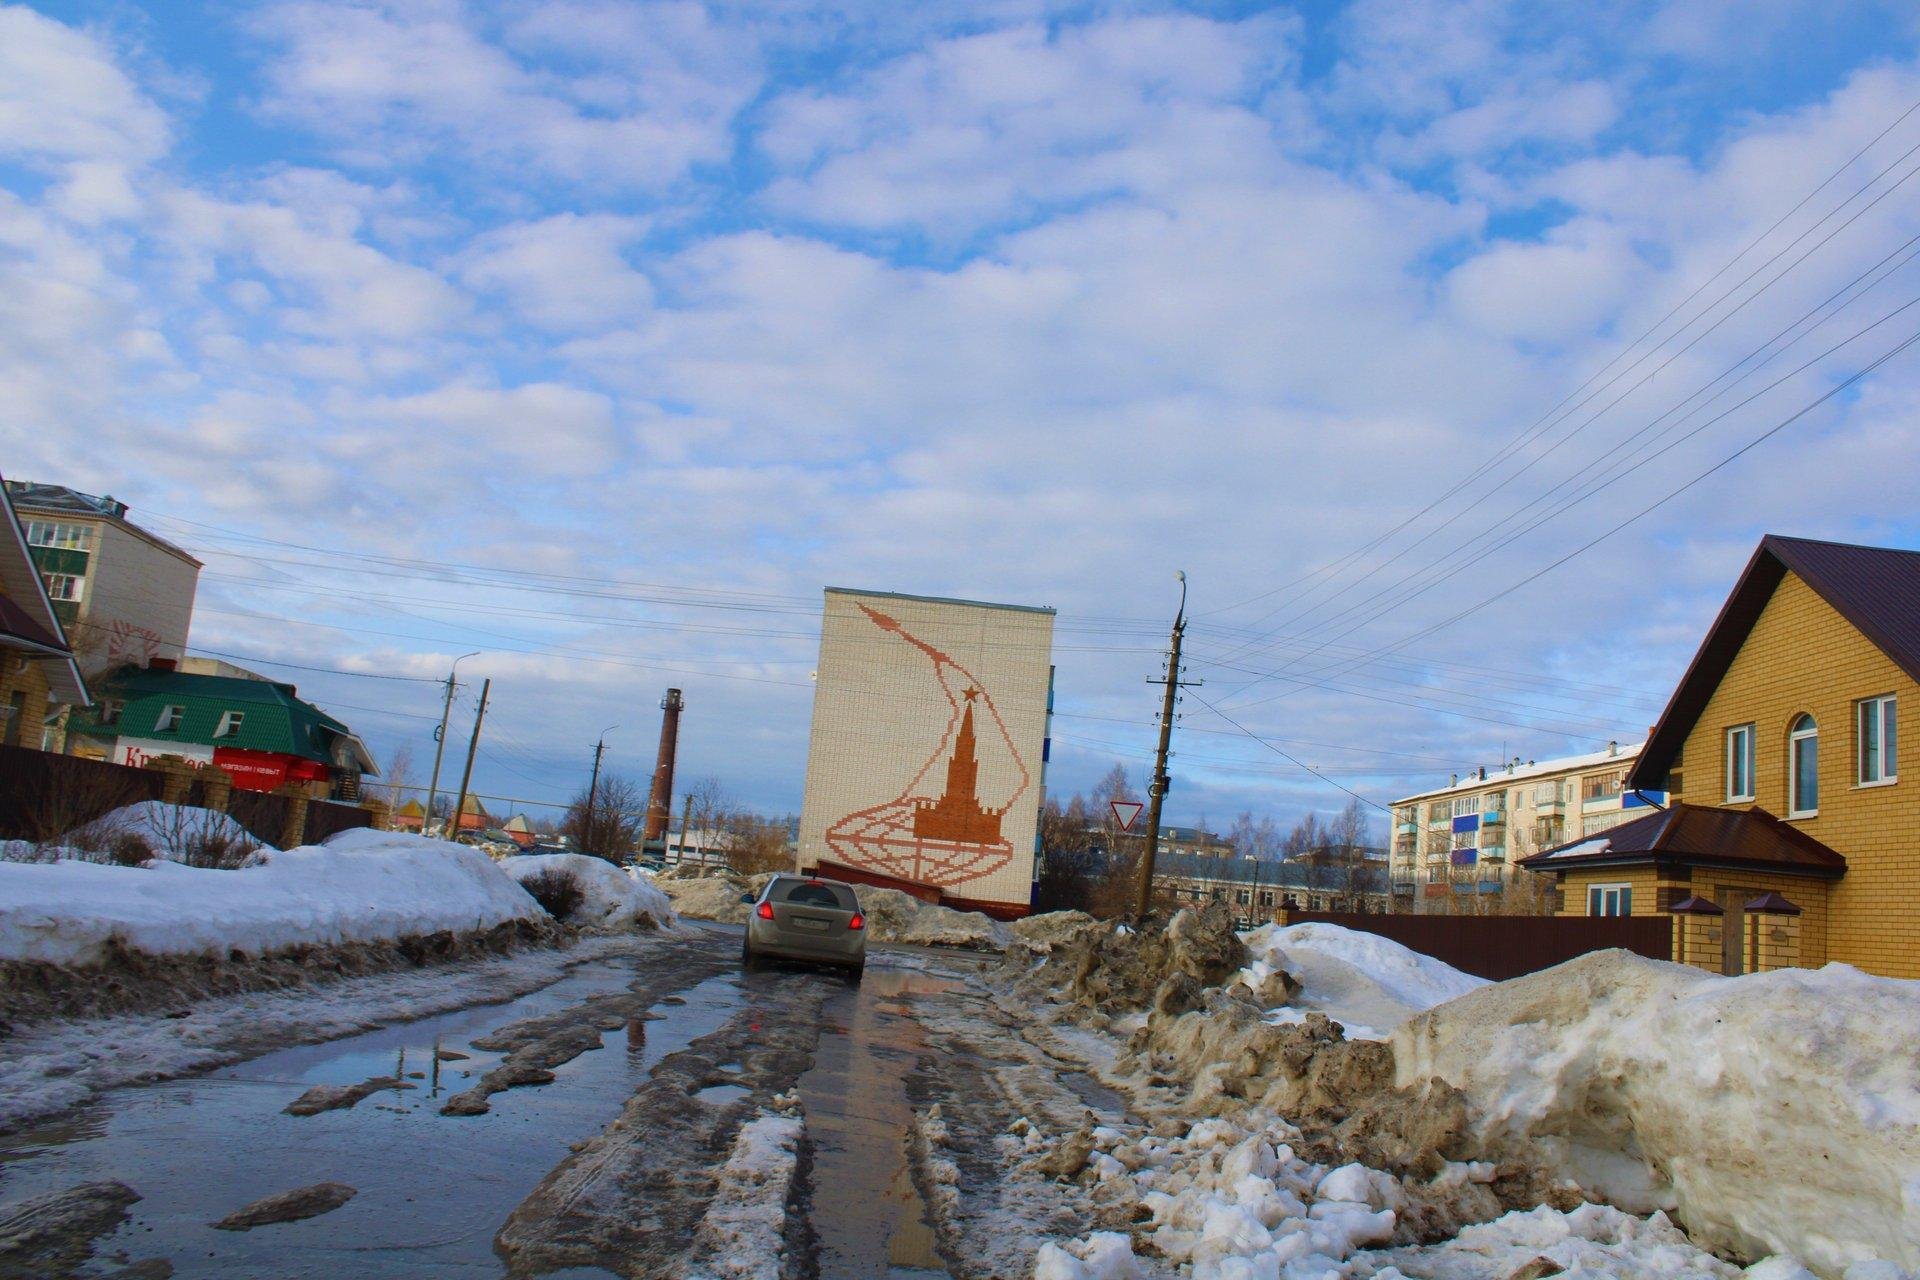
(139, 601)
(1802, 656)
(929, 737)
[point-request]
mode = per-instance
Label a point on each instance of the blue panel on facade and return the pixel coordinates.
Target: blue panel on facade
(1465, 857)
(1467, 822)
(1642, 799)
(1046, 750)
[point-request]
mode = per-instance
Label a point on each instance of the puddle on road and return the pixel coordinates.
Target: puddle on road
(719, 1095)
(433, 1189)
(867, 1215)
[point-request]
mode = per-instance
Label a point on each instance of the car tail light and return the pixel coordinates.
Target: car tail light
(766, 911)
(858, 922)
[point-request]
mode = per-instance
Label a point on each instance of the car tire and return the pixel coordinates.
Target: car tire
(855, 972)
(749, 958)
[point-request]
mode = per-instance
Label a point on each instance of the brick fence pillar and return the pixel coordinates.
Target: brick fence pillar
(293, 832)
(1773, 934)
(216, 788)
(1696, 933)
(176, 778)
(382, 813)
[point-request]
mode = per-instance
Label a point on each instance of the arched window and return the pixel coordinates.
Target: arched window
(1803, 767)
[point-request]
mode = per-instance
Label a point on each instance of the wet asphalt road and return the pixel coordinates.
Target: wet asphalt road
(687, 1048)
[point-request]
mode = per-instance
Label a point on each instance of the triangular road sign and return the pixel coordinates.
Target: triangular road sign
(1125, 811)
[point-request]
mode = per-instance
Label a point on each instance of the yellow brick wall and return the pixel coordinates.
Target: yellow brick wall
(1646, 888)
(1802, 656)
(31, 681)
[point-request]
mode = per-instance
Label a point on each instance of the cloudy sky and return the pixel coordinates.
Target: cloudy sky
(600, 336)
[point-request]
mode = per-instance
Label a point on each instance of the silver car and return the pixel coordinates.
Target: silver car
(797, 918)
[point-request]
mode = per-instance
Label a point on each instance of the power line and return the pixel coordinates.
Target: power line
(1299, 764)
(296, 666)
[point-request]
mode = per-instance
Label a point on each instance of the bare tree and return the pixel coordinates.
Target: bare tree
(752, 844)
(394, 785)
(611, 829)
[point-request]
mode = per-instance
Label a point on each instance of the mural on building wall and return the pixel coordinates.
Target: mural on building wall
(951, 837)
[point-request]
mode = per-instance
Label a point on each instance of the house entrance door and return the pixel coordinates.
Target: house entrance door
(1733, 928)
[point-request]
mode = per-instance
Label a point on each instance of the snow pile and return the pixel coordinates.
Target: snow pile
(893, 916)
(361, 886)
(1367, 983)
(708, 893)
(743, 1235)
(1050, 929)
(1239, 1201)
(150, 829)
(610, 899)
(1773, 1113)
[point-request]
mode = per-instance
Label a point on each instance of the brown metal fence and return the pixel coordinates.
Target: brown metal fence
(43, 796)
(1501, 947)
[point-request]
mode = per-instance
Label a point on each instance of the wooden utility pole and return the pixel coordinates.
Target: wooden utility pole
(440, 743)
(1157, 788)
(593, 787)
(473, 748)
(686, 820)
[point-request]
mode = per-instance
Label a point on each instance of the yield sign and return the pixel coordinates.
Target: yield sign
(1125, 811)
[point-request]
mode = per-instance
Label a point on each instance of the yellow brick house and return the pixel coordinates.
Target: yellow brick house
(1780, 750)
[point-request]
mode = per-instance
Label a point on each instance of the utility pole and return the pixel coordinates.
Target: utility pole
(1157, 788)
(593, 789)
(686, 820)
(473, 749)
(440, 742)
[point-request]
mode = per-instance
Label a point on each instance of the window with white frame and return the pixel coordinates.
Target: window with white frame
(1546, 793)
(54, 533)
(65, 586)
(230, 722)
(1464, 805)
(1878, 738)
(1803, 767)
(1740, 762)
(169, 721)
(1242, 897)
(1610, 900)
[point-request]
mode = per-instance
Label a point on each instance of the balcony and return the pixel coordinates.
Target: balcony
(1493, 819)
(1406, 828)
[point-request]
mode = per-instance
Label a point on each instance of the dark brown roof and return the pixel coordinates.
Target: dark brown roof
(17, 626)
(1877, 589)
(1698, 835)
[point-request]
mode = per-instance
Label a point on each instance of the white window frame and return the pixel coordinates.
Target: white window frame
(230, 722)
(73, 591)
(1746, 732)
(1466, 806)
(59, 535)
(1794, 738)
(170, 719)
(1621, 892)
(1883, 712)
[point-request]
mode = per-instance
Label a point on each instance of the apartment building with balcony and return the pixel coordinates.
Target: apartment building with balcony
(1460, 842)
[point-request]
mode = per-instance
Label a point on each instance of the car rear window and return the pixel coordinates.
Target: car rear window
(803, 894)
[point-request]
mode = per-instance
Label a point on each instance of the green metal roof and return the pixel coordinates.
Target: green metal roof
(272, 718)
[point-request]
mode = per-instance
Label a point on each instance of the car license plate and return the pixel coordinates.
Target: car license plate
(816, 926)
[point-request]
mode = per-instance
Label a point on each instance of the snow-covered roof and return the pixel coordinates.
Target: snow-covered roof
(1537, 769)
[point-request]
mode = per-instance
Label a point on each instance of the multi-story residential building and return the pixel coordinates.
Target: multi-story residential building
(1194, 840)
(1463, 840)
(1781, 746)
(124, 595)
(38, 676)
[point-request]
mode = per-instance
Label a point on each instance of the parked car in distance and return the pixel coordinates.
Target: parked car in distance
(814, 921)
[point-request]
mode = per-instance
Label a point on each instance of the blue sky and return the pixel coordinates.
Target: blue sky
(660, 317)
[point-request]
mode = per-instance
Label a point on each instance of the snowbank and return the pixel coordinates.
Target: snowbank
(610, 899)
(362, 886)
(149, 829)
(1776, 1113)
(1367, 983)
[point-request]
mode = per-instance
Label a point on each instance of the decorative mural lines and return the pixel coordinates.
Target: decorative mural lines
(952, 838)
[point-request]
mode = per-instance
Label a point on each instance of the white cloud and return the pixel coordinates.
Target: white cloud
(391, 83)
(567, 272)
(63, 98)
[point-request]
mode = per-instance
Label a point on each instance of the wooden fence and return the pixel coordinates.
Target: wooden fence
(1501, 947)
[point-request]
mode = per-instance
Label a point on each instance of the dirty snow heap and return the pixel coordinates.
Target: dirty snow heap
(611, 901)
(361, 886)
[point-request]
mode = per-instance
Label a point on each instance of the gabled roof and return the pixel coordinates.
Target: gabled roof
(27, 619)
(1695, 834)
(1877, 589)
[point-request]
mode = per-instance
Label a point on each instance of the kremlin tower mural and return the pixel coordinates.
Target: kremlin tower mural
(929, 729)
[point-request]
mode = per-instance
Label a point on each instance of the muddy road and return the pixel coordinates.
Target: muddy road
(654, 1112)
